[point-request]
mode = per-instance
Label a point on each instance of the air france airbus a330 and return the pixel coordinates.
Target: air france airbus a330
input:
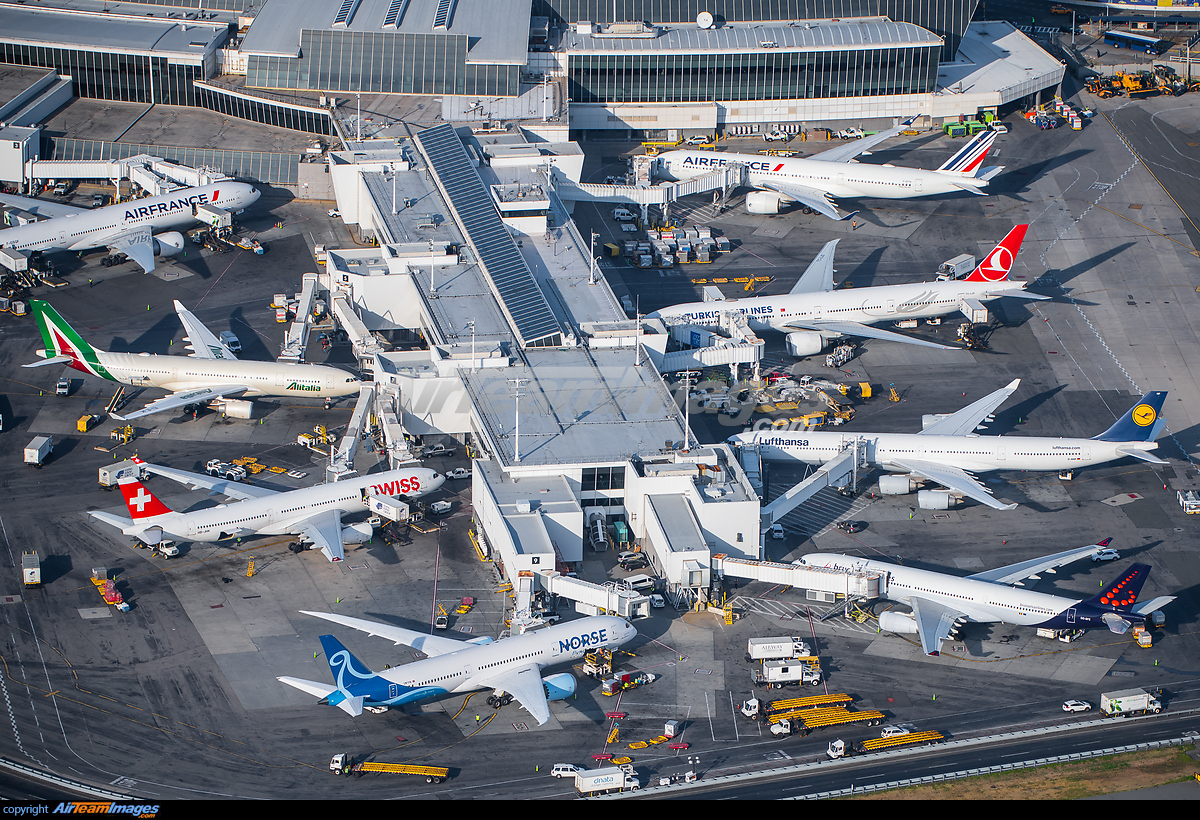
(813, 312)
(313, 513)
(210, 374)
(816, 182)
(128, 227)
(942, 603)
(948, 450)
(511, 667)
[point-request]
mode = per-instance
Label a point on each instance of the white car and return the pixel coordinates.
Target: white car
(777, 532)
(564, 770)
(894, 731)
(775, 136)
(1076, 706)
(333, 213)
(698, 140)
(1105, 555)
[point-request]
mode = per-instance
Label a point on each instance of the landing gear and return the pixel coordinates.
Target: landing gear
(498, 701)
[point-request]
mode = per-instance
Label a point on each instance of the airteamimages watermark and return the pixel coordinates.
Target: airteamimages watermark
(146, 810)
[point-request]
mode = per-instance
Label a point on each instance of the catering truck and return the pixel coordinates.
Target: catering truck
(110, 474)
(794, 672)
(31, 569)
(1130, 702)
(769, 649)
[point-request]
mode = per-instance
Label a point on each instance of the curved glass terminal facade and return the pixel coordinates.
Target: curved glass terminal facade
(772, 75)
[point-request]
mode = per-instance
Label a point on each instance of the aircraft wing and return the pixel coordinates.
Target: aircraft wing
(973, 415)
(953, 478)
(137, 244)
(41, 207)
(818, 200)
(324, 530)
(1014, 574)
(197, 396)
(849, 150)
(431, 645)
(818, 277)
(202, 342)
(865, 331)
(934, 623)
(524, 684)
(233, 489)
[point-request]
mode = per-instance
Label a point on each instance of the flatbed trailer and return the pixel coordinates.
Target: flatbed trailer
(876, 744)
(788, 704)
(341, 764)
(838, 716)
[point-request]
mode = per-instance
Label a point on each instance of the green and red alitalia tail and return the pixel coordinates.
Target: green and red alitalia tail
(63, 342)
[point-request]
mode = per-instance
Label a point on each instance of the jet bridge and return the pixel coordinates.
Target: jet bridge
(296, 339)
(726, 178)
(832, 474)
(343, 458)
(820, 579)
(364, 342)
(738, 345)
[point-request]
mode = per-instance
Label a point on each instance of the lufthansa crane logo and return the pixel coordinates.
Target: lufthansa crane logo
(997, 265)
(1144, 415)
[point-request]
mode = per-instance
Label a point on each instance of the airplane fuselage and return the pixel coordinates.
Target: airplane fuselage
(920, 300)
(981, 601)
(98, 227)
(471, 667)
(971, 453)
(279, 514)
(840, 179)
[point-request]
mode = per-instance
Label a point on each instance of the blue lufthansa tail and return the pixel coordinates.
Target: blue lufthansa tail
(1143, 422)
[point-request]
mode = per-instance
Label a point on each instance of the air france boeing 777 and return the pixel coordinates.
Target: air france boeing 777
(207, 375)
(313, 513)
(511, 667)
(813, 312)
(948, 450)
(128, 227)
(942, 603)
(816, 182)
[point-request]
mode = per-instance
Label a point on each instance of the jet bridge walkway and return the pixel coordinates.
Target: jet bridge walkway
(724, 179)
(831, 474)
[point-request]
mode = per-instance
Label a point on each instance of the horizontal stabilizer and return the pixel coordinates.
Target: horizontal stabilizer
(51, 360)
(312, 687)
(1016, 294)
(990, 172)
(1146, 607)
(1137, 452)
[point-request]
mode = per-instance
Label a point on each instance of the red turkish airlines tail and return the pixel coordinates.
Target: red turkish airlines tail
(141, 502)
(997, 264)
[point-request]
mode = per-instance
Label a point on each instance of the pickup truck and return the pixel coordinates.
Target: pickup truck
(438, 450)
(458, 472)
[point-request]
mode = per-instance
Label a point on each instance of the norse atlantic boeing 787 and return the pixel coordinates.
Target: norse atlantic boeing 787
(816, 182)
(948, 450)
(942, 603)
(813, 312)
(128, 227)
(511, 667)
(205, 376)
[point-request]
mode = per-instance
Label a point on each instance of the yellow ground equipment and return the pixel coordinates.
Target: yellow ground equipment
(122, 435)
(876, 743)
(466, 606)
(343, 764)
(86, 422)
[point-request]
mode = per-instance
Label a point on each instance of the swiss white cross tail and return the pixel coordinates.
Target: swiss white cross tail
(140, 501)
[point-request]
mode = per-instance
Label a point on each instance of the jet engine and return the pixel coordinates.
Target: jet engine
(763, 202)
(236, 408)
(897, 484)
(560, 686)
(168, 244)
(902, 623)
(805, 343)
(358, 533)
(936, 499)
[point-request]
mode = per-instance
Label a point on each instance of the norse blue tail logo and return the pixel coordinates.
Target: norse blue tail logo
(355, 682)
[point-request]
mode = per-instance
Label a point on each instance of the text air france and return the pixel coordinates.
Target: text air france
(597, 637)
(720, 162)
(159, 208)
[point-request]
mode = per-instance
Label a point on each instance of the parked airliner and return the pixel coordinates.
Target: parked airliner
(313, 513)
(813, 312)
(127, 227)
(816, 182)
(948, 449)
(942, 603)
(511, 667)
(194, 379)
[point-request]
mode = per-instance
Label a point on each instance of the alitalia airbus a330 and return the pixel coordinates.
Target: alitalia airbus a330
(210, 374)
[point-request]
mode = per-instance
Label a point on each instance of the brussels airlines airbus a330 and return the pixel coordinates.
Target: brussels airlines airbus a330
(813, 312)
(128, 227)
(511, 667)
(816, 182)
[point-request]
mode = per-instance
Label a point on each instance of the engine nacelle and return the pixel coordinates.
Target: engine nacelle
(359, 533)
(902, 623)
(236, 408)
(936, 500)
(896, 485)
(560, 686)
(805, 343)
(168, 244)
(763, 202)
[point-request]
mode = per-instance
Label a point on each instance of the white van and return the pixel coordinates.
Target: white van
(641, 583)
(623, 215)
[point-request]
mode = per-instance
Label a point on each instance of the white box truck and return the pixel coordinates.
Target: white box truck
(777, 674)
(608, 779)
(956, 268)
(765, 649)
(388, 507)
(110, 474)
(37, 451)
(31, 569)
(1129, 702)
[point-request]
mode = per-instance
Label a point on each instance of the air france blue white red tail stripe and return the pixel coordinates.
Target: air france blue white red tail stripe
(969, 158)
